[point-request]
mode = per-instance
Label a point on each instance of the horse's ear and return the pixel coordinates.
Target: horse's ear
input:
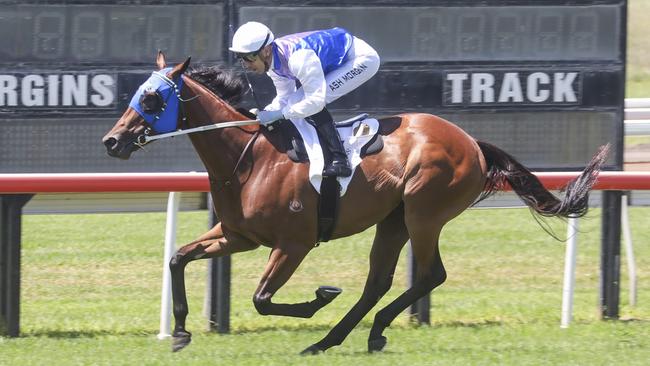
(160, 60)
(180, 68)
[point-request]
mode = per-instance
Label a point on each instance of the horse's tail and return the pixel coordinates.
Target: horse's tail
(502, 168)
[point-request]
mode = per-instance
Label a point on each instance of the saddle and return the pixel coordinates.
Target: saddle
(330, 188)
(295, 146)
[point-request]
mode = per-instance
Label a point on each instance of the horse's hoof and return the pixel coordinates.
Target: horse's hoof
(312, 350)
(377, 344)
(328, 293)
(180, 340)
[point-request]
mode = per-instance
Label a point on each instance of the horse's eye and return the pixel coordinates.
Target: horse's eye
(151, 102)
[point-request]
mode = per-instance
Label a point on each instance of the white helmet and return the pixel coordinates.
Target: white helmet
(251, 37)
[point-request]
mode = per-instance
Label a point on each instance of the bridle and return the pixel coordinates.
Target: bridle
(175, 92)
(153, 118)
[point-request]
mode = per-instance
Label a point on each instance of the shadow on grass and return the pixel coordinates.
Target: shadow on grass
(468, 324)
(622, 320)
(282, 328)
(364, 325)
(74, 334)
(242, 330)
(633, 320)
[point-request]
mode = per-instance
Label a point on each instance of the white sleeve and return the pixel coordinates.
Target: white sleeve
(306, 66)
(284, 87)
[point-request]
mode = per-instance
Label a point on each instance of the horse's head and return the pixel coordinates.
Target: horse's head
(153, 109)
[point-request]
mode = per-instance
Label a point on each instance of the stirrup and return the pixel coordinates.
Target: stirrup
(337, 169)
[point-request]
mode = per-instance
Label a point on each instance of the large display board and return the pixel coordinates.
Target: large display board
(542, 79)
(109, 34)
(469, 32)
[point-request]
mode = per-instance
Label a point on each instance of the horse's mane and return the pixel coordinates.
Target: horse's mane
(227, 85)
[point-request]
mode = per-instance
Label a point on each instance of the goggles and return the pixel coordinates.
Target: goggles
(248, 57)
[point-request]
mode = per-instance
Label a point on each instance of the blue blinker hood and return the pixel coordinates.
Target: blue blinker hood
(165, 120)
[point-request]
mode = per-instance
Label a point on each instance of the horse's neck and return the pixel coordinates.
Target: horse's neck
(219, 149)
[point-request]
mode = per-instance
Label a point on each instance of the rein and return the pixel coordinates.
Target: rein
(241, 158)
(145, 139)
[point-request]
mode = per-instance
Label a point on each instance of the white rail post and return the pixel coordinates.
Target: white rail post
(569, 272)
(170, 245)
(629, 250)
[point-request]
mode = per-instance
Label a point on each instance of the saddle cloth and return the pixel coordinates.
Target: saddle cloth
(354, 138)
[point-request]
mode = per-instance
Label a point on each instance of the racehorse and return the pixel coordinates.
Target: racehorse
(428, 172)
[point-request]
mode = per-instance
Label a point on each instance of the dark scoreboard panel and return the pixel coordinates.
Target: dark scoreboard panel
(463, 33)
(110, 34)
(542, 79)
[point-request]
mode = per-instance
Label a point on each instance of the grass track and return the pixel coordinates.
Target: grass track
(91, 287)
(638, 50)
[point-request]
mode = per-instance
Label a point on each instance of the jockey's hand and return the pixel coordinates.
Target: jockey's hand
(268, 117)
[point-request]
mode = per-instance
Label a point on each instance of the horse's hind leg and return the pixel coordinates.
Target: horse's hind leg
(390, 237)
(209, 245)
(430, 274)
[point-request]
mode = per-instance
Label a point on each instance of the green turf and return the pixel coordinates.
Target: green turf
(91, 295)
(638, 50)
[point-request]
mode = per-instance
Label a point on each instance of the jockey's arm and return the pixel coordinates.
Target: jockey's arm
(284, 87)
(307, 68)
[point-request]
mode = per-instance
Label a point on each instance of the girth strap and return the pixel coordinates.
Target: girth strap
(328, 208)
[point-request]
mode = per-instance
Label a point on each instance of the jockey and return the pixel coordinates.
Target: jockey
(327, 64)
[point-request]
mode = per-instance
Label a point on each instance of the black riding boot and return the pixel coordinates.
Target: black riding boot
(340, 167)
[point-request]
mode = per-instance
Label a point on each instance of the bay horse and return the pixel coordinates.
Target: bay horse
(428, 172)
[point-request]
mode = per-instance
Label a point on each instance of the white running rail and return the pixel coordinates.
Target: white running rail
(637, 116)
(173, 204)
(571, 254)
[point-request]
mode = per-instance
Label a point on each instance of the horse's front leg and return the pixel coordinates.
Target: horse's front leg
(209, 245)
(283, 262)
(390, 237)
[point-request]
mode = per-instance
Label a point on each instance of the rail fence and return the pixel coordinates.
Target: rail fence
(637, 116)
(17, 189)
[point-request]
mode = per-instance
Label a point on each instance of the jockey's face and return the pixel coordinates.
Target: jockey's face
(258, 62)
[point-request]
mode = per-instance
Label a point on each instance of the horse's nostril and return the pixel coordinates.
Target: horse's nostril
(110, 142)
